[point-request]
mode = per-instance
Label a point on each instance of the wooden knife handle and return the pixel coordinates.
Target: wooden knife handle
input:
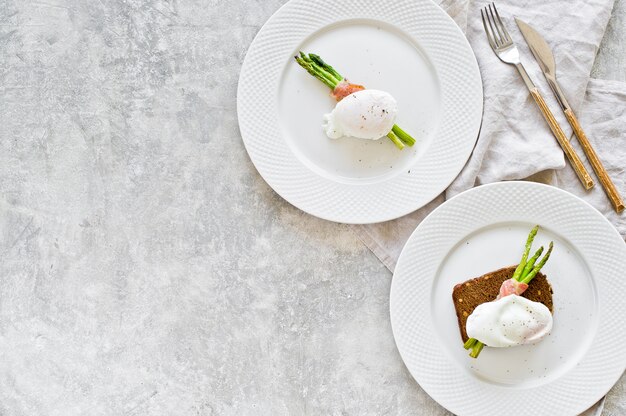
(569, 151)
(596, 163)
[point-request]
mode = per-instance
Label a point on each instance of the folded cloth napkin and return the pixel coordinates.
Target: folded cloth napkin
(515, 142)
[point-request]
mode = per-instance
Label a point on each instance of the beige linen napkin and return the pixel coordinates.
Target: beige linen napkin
(515, 142)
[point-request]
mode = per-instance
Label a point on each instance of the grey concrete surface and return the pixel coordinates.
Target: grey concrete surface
(145, 267)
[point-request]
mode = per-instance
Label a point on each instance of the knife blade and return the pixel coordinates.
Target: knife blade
(543, 54)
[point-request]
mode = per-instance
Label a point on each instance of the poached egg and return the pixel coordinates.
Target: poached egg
(509, 321)
(366, 114)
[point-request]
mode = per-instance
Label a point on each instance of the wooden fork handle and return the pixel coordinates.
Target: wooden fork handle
(569, 151)
(596, 164)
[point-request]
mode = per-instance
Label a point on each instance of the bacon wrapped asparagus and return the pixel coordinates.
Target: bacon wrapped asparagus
(526, 270)
(341, 88)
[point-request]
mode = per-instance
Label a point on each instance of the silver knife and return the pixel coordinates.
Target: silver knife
(543, 54)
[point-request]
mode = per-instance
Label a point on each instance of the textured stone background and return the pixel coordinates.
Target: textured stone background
(145, 267)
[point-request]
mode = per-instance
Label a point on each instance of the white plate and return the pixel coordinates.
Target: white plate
(484, 229)
(409, 48)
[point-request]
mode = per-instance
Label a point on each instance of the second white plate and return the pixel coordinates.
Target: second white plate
(410, 48)
(482, 230)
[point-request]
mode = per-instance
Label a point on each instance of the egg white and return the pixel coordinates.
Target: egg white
(366, 114)
(509, 321)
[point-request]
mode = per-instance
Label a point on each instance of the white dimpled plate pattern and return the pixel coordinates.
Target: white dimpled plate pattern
(461, 101)
(438, 373)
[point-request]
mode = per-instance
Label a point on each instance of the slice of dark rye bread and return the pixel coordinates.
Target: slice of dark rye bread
(471, 293)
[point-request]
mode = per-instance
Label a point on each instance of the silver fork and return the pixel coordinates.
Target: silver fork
(503, 46)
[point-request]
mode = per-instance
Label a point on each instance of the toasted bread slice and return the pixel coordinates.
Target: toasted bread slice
(471, 293)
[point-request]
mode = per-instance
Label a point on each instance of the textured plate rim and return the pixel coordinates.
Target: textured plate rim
(462, 104)
(463, 394)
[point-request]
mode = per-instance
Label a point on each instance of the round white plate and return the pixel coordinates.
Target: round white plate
(485, 229)
(410, 48)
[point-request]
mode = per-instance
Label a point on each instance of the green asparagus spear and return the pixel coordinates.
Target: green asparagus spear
(538, 267)
(403, 135)
(531, 263)
(476, 349)
(321, 70)
(399, 144)
(469, 343)
(328, 68)
(311, 70)
(529, 241)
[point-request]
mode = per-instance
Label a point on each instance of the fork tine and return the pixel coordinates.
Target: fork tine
(503, 38)
(496, 37)
(507, 37)
(489, 37)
